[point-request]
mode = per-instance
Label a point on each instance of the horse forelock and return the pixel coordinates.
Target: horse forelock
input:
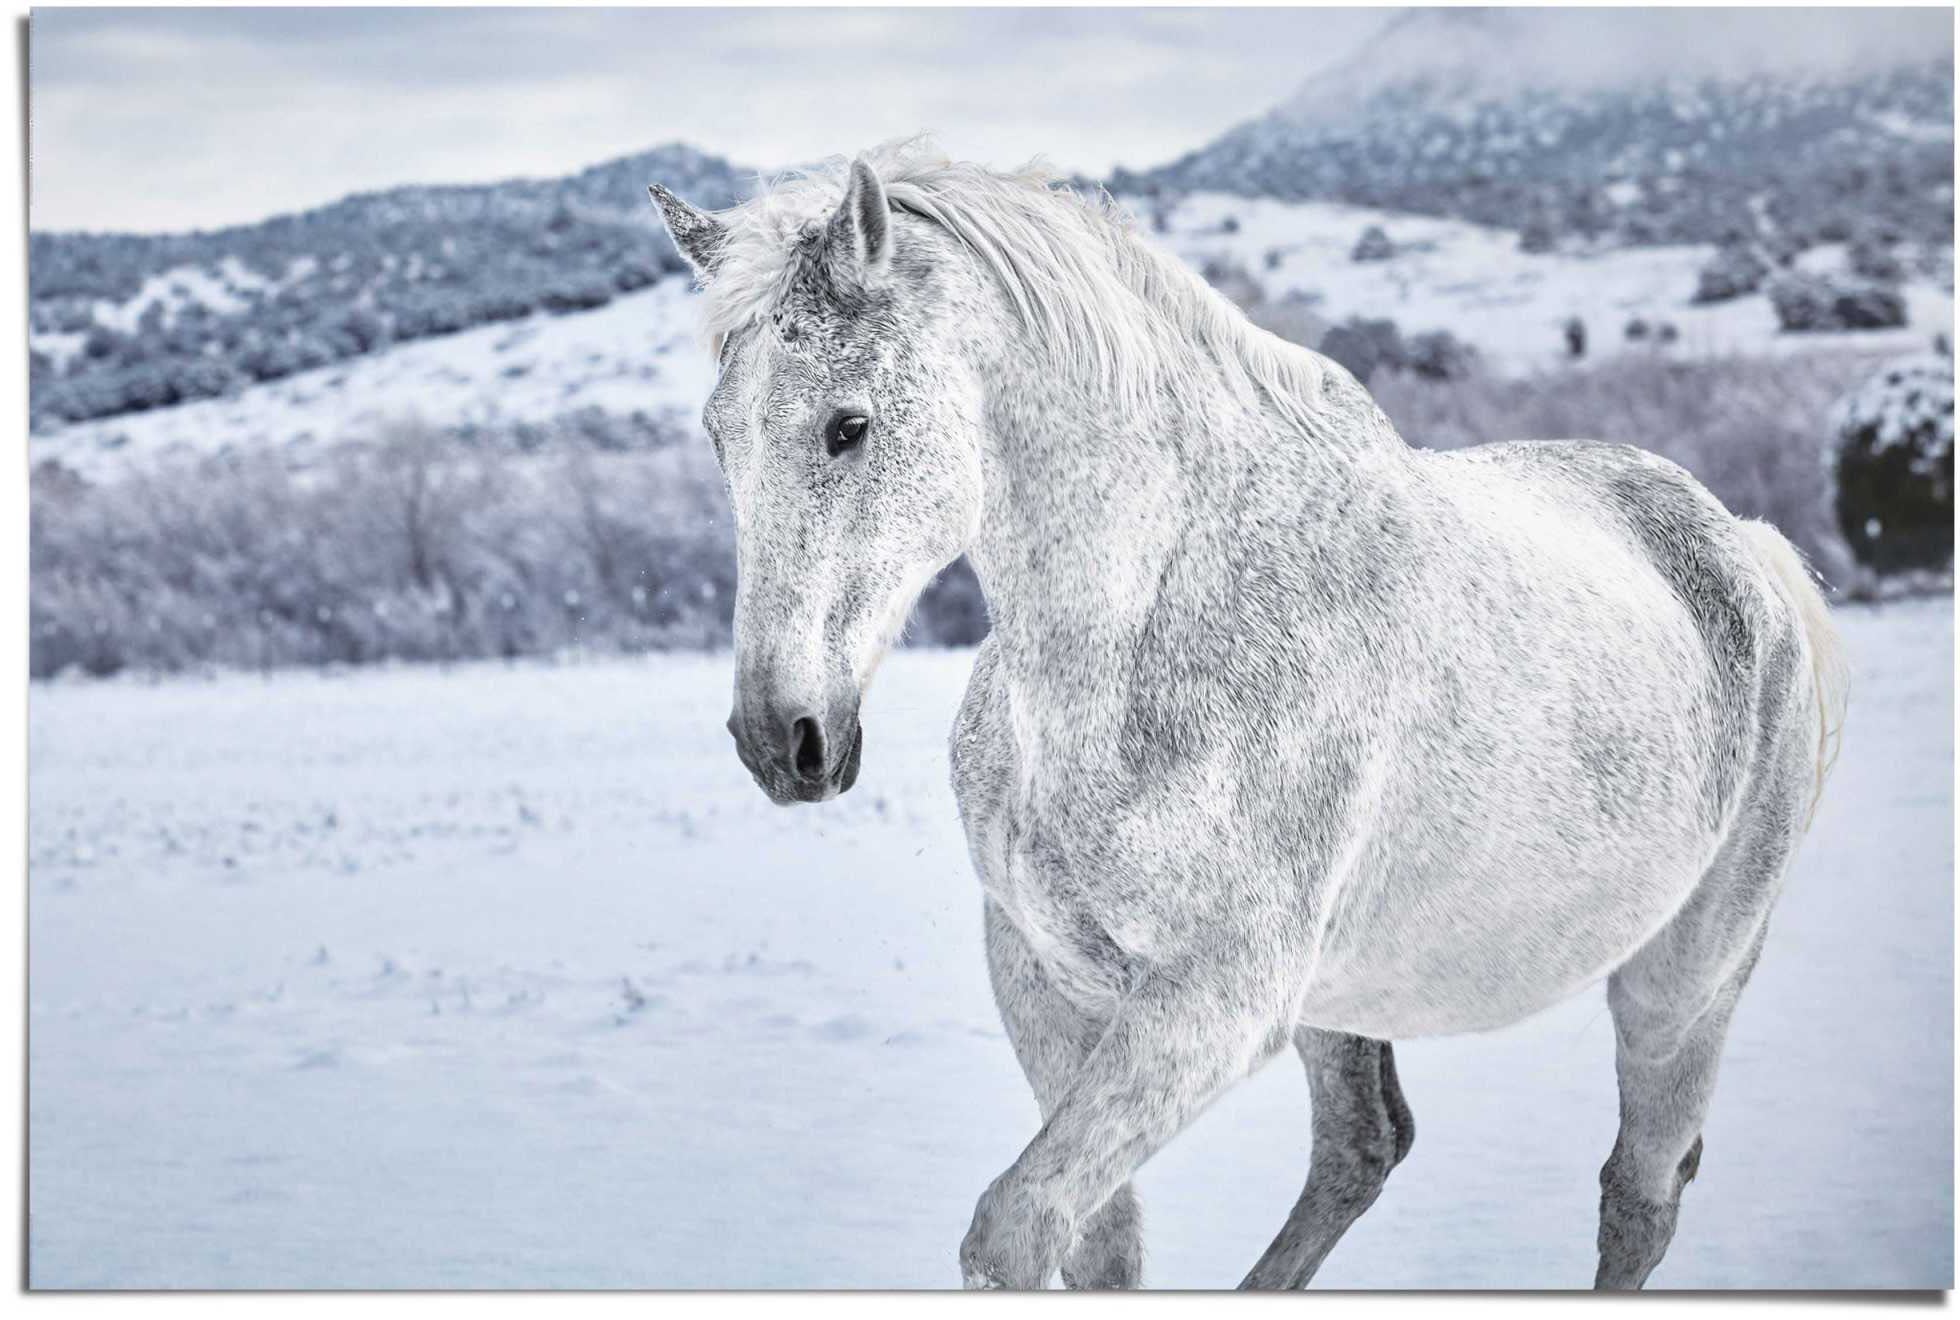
(1114, 312)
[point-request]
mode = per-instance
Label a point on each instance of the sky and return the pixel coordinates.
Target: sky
(154, 120)
(167, 119)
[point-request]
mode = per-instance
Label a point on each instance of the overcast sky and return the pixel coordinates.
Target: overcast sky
(159, 119)
(162, 120)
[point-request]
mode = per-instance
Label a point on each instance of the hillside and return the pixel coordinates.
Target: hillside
(633, 373)
(129, 323)
(1534, 165)
(1578, 126)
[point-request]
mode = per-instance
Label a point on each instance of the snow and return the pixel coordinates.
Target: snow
(57, 345)
(1473, 281)
(1909, 402)
(1904, 126)
(640, 352)
(507, 976)
(219, 290)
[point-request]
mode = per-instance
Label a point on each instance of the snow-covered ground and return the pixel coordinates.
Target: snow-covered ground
(638, 353)
(641, 353)
(1511, 305)
(507, 976)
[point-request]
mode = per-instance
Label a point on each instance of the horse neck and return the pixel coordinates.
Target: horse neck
(1107, 521)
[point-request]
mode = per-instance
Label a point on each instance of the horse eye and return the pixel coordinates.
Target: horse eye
(846, 433)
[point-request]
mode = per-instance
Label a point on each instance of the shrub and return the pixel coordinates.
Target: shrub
(1891, 463)
(1871, 257)
(1364, 345)
(417, 546)
(1809, 303)
(1438, 355)
(1735, 270)
(1640, 330)
(576, 296)
(1373, 245)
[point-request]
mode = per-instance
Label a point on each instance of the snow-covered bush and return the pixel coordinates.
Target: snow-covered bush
(1438, 355)
(1641, 330)
(1891, 465)
(1735, 270)
(1871, 257)
(1363, 344)
(1367, 345)
(418, 546)
(1808, 302)
(577, 295)
(1373, 245)
(1233, 280)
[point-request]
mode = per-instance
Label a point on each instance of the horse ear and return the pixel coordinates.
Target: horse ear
(697, 234)
(858, 239)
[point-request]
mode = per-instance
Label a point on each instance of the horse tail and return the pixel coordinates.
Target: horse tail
(1829, 674)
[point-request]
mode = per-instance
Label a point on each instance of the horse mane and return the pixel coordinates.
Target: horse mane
(1117, 313)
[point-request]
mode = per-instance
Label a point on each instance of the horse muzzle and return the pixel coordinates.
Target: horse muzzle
(797, 755)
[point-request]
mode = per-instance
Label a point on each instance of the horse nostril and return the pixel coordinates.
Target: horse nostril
(806, 748)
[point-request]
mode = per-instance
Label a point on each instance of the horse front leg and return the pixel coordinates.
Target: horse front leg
(1051, 1037)
(1177, 1040)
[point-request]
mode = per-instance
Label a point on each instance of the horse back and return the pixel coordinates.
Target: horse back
(1747, 638)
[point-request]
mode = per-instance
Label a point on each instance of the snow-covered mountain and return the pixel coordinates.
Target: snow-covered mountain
(127, 323)
(1632, 126)
(636, 368)
(1611, 146)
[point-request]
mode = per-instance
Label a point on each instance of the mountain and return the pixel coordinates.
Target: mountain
(126, 322)
(1619, 126)
(1576, 128)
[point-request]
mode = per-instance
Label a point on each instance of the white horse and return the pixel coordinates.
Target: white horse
(1285, 731)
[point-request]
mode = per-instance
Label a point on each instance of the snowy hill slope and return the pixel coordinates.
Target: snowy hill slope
(128, 323)
(638, 353)
(1575, 131)
(1473, 281)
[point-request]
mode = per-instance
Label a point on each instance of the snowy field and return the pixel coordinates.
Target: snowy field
(507, 976)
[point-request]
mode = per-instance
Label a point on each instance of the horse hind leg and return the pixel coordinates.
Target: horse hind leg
(1671, 1004)
(1667, 1057)
(1362, 1128)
